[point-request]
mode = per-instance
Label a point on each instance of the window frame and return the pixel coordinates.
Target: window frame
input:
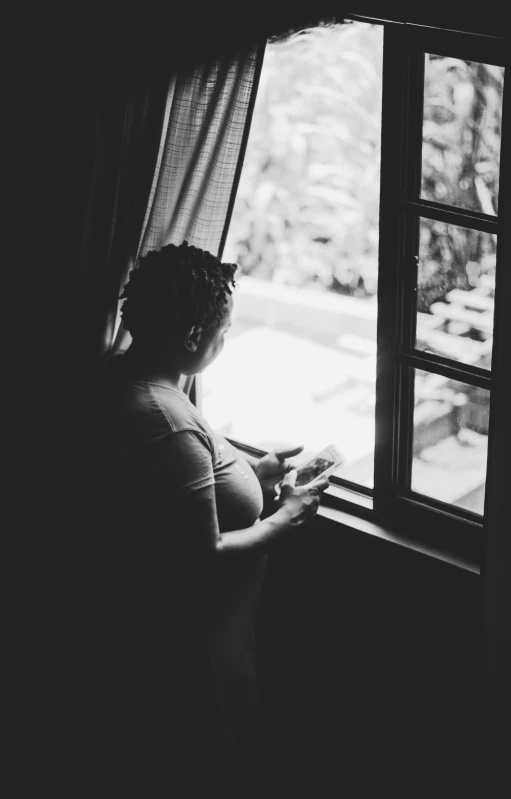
(390, 504)
(400, 206)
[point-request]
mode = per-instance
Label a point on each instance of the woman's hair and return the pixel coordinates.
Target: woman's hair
(173, 289)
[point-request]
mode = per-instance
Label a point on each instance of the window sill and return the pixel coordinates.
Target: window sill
(331, 508)
(353, 510)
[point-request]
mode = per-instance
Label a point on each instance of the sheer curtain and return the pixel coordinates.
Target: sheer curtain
(205, 130)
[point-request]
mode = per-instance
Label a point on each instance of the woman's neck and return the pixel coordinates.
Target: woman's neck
(148, 364)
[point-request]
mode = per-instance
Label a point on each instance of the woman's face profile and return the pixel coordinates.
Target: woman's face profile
(212, 341)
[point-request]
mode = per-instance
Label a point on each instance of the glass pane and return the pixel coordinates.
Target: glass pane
(455, 292)
(450, 441)
(461, 133)
(299, 365)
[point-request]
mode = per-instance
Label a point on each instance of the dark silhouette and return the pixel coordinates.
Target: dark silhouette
(188, 525)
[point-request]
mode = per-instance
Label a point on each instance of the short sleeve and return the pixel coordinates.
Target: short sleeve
(181, 462)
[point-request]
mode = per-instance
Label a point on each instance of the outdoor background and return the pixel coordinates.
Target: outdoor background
(299, 365)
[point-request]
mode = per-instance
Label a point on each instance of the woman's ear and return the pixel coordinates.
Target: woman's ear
(192, 338)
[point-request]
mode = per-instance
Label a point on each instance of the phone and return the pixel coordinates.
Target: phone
(323, 463)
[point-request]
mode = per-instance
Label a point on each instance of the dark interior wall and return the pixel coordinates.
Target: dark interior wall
(371, 666)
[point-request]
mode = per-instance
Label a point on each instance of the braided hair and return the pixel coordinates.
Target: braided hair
(173, 289)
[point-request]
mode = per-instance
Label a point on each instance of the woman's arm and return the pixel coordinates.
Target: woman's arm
(297, 505)
(271, 468)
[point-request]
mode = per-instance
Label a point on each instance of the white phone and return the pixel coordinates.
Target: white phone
(322, 464)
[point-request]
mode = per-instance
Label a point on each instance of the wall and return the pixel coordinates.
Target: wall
(371, 668)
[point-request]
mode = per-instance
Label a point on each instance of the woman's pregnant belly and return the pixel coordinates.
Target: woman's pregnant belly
(239, 498)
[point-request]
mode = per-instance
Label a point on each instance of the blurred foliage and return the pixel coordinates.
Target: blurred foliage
(307, 207)
(461, 133)
(460, 167)
(451, 257)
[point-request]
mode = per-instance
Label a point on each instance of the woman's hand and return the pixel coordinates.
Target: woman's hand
(300, 503)
(271, 468)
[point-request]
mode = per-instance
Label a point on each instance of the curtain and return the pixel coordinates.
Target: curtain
(205, 131)
(168, 155)
(206, 122)
(128, 127)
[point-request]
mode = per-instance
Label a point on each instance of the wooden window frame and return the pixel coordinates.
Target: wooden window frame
(400, 204)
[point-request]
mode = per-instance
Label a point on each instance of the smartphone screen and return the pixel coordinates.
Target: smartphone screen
(312, 470)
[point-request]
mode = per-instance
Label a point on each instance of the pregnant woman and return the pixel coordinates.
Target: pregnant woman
(190, 532)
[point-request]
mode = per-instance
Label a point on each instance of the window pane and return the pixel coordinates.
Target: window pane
(461, 133)
(455, 292)
(450, 441)
(299, 365)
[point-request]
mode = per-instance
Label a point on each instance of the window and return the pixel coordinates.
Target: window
(368, 235)
(305, 233)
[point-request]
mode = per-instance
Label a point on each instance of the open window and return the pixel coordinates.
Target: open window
(367, 228)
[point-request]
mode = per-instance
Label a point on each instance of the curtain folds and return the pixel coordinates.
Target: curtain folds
(167, 159)
(127, 137)
(204, 133)
(207, 116)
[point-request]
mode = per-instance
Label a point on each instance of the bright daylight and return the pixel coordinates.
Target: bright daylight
(299, 364)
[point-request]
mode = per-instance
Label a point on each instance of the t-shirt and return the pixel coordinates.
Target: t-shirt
(161, 442)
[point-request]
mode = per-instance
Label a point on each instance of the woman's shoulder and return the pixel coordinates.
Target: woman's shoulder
(173, 403)
(152, 402)
(157, 397)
